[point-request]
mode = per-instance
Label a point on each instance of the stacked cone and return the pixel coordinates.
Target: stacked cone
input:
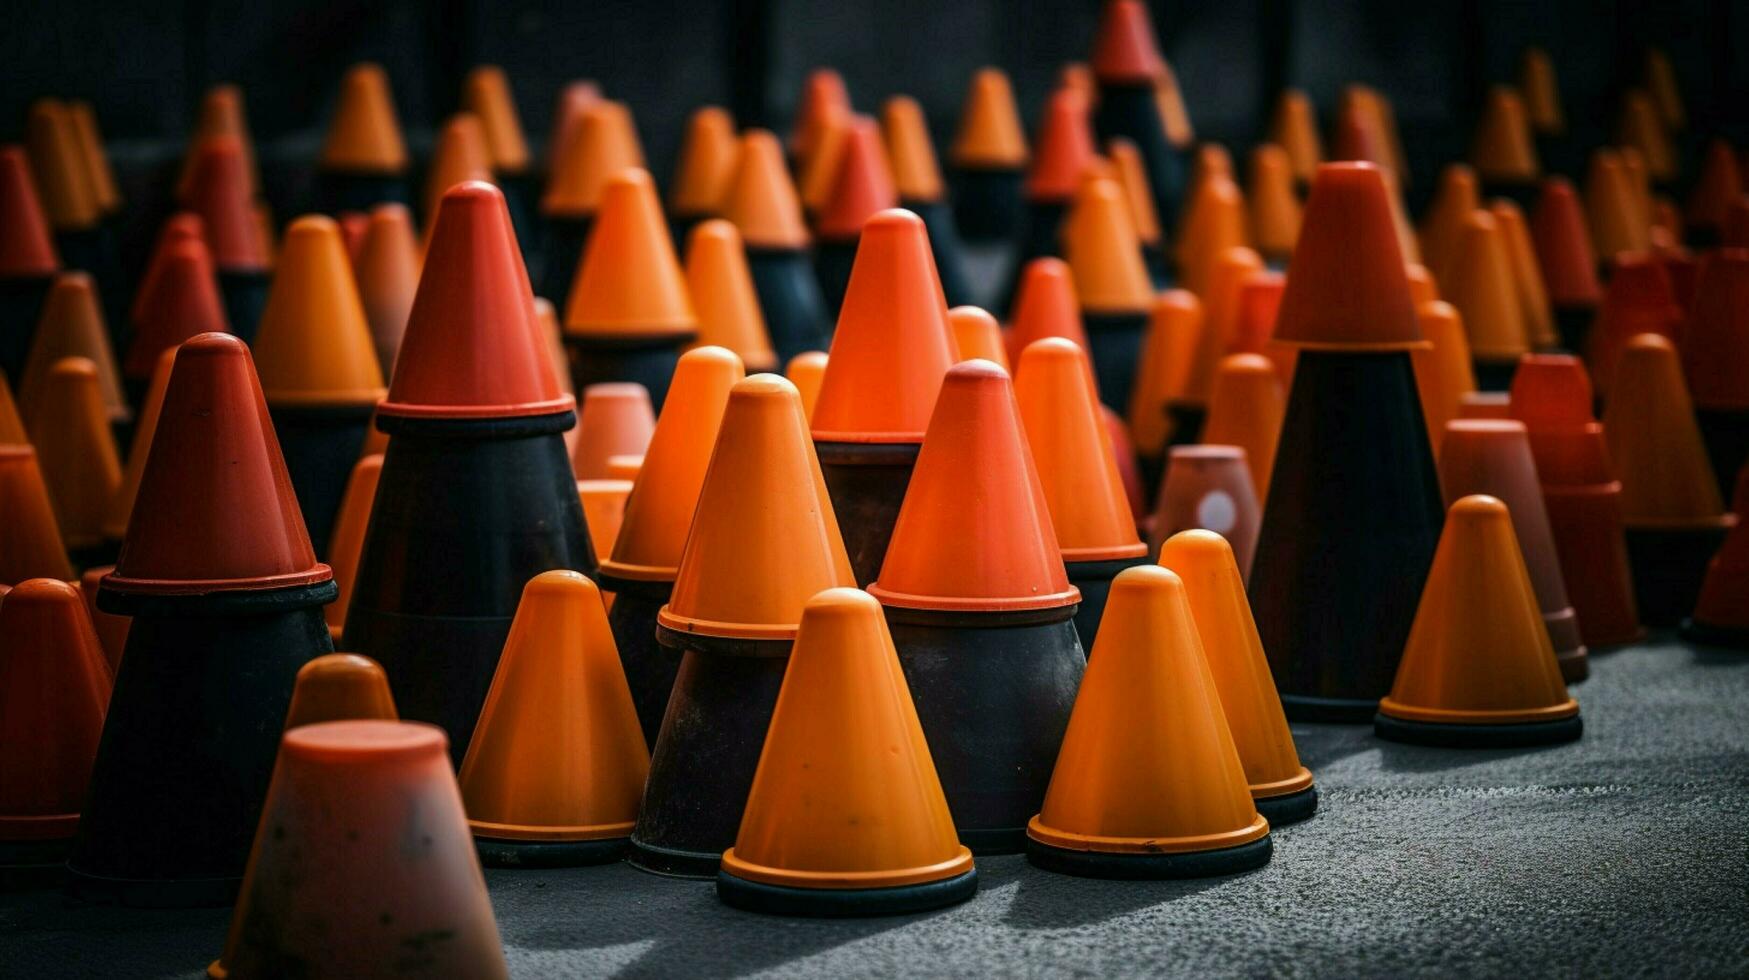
(860, 187)
(219, 189)
(761, 202)
(603, 144)
(1062, 150)
(72, 326)
(1129, 70)
(1111, 283)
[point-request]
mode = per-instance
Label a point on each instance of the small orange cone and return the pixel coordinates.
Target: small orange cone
(1275, 206)
(121, 506)
(97, 166)
(347, 543)
(761, 200)
(1721, 616)
(461, 155)
(1503, 153)
(1294, 128)
(846, 815)
(1639, 299)
(1174, 331)
(816, 178)
(823, 96)
(807, 371)
(1613, 208)
(68, 199)
(605, 143)
(1720, 183)
(1281, 788)
(365, 136)
(1130, 170)
(721, 289)
(220, 190)
(486, 96)
(1220, 296)
(1479, 281)
(1533, 294)
(705, 167)
(30, 540)
(604, 510)
(1045, 305)
(1209, 487)
(1214, 221)
(70, 427)
(1442, 228)
(1256, 308)
(112, 628)
(1246, 404)
(72, 326)
(179, 302)
(1422, 288)
(1062, 150)
(340, 687)
(1443, 373)
(1180, 807)
(1478, 670)
(557, 764)
(615, 419)
(574, 99)
(387, 271)
(1541, 92)
(1641, 128)
(977, 335)
(990, 134)
(905, 135)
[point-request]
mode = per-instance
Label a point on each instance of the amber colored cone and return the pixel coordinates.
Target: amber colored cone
(1294, 128)
(1715, 340)
(1479, 281)
(112, 630)
(25, 246)
(975, 531)
(629, 283)
(893, 343)
(1214, 221)
(989, 134)
(54, 689)
(846, 794)
(615, 419)
(1104, 254)
(1149, 698)
(1563, 246)
(365, 136)
(1612, 207)
(818, 173)
(604, 510)
(1533, 294)
(1210, 159)
(557, 754)
(461, 155)
(340, 687)
(387, 273)
(486, 94)
(912, 154)
(30, 540)
(1541, 92)
(1045, 305)
(1443, 372)
(573, 101)
(1422, 288)
(1131, 172)
(1245, 409)
(1358, 137)
(1442, 229)
(11, 423)
(180, 302)
(1666, 93)
(1074, 457)
(807, 371)
(68, 199)
(707, 162)
(1639, 299)
(97, 166)
(71, 325)
(220, 190)
(1720, 183)
(823, 96)
(314, 345)
(761, 200)
(70, 426)
(121, 505)
(1227, 274)
(1274, 206)
(1062, 149)
(347, 542)
(1724, 596)
(721, 289)
(1256, 307)
(1654, 442)
(1478, 653)
(1502, 150)
(1642, 129)
(605, 143)
(863, 186)
(977, 335)
(547, 325)
(1168, 349)
(763, 537)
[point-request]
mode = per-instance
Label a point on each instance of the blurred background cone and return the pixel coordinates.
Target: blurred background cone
(762, 203)
(988, 159)
(1127, 66)
(977, 334)
(72, 326)
(1479, 281)
(922, 192)
(70, 426)
(860, 185)
(1245, 407)
(806, 371)
(702, 171)
(1721, 615)
(112, 630)
(30, 538)
(387, 270)
(1158, 412)
(347, 544)
(1062, 150)
(1563, 250)
(1045, 306)
(724, 297)
(615, 419)
(220, 189)
(1639, 299)
(364, 161)
(340, 687)
(602, 143)
(180, 301)
(1715, 358)
(1443, 373)
(28, 260)
(1209, 487)
(1111, 284)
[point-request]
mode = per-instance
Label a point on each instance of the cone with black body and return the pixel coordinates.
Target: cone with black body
(1563, 251)
(982, 609)
(219, 190)
(475, 476)
(1340, 562)
(486, 95)
(1111, 283)
(762, 203)
(862, 187)
(1063, 149)
(604, 143)
(80, 464)
(69, 199)
(702, 171)
(917, 177)
(364, 161)
(988, 160)
(28, 260)
(226, 597)
(1126, 63)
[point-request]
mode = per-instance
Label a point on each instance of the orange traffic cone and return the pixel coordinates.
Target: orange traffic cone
(30, 540)
(1479, 281)
(1442, 228)
(364, 161)
(28, 260)
(1220, 325)
(1158, 411)
(1294, 128)
(347, 543)
(807, 371)
(615, 419)
(1063, 149)
(70, 427)
(988, 157)
(1044, 306)
(1721, 615)
(761, 202)
(461, 155)
(1111, 283)
(1131, 173)
(72, 326)
(486, 94)
(387, 270)
(1275, 205)
(722, 292)
(860, 187)
(1541, 92)
(703, 170)
(1639, 299)
(340, 687)
(977, 335)
(921, 190)
(1503, 151)
(1214, 221)
(1618, 224)
(1246, 404)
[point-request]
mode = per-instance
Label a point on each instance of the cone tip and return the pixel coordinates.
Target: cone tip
(559, 582)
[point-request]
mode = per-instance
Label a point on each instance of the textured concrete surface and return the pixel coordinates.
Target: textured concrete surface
(1624, 853)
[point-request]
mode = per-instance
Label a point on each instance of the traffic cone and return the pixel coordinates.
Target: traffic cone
(1422, 288)
(1358, 549)
(616, 419)
(703, 171)
(1246, 403)
(1721, 615)
(1639, 299)
(1541, 92)
(604, 509)
(846, 815)
(1220, 298)
(1294, 128)
(1274, 205)
(977, 335)
(988, 160)
(1045, 306)
(225, 594)
(1641, 128)
(888, 356)
(11, 423)
(364, 161)
(861, 188)
(763, 541)
(461, 154)
(1478, 670)
(340, 687)
(1281, 788)
(1158, 411)
(1257, 305)
(30, 540)
(922, 191)
(97, 166)
(1214, 221)
(604, 145)
(28, 260)
(487, 97)
(1442, 227)
(575, 97)
(1533, 293)
(1479, 281)
(1666, 94)
(72, 326)
(1132, 174)
(333, 888)
(347, 543)
(1128, 472)
(1493, 457)
(1613, 208)
(1715, 357)
(762, 203)
(112, 630)
(1127, 65)
(1504, 152)
(1180, 807)
(1443, 374)
(67, 197)
(724, 297)
(823, 98)
(1111, 284)
(1563, 250)
(556, 764)
(982, 609)
(807, 371)
(70, 427)
(646, 553)
(817, 177)
(1675, 516)
(121, 505)
(1078, 472)
(179, 302)
(1719, 183)
(1062, 150)
(55, 682)
(179, 227)
(1208, 487)
(387, 273)
(218, 190)
(474, 476)
(319, 369)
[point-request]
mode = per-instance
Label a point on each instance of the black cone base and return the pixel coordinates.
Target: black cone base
(189, 742)
(789, 296)
(1037, 238)
(987, 202)
(1447, 736)
(245, 297)
(703, 763)
(993, 692)
(1726, 434)
(1132, 112)
(1290, 808)
(341, 191)
(867, 483)
(833, 258)
(841, 903)
(21, 304)
(321, 446)
(1573, 323)
(1348, 534)
(1139, 866)
(561, 252)
(1669, 566)
(650, 667)
(1728, 637)
(94, 250)
(471, 510)
(1116, 339)
(1093, 578)
(648, 362)
(497, 853)
(944, 244)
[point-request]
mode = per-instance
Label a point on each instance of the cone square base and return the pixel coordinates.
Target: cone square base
(1290, 808)
(1449, 736)
(499, 853)
(1143, 866)
(841, 903)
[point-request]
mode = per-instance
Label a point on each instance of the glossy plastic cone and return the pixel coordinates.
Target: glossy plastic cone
(1533, 294)
(1442, 229)
(56, 683)
(1111, 283)
(1281, 788)
(340, 687)
(387, 271)
(486, 94)
(1294, 128)
(1208, 487)
(977, 335)
(1246, 404)
(1078, 473)
(112, 630)
(1671, 504)
(72, 326)
(30, 540)
(1274, 205)
(1503, 152)
(1479, 281)
(615, 419)
(1639, 299)
(28, 259)
(1180, 806)
(461, 154)
(333, 888)
(557, 764)
(70, 426)
(121, 506)
(347, 543)
(988, 156)
(1214, 221)
(846, 815)
(1612, 207)
(1443, 372)
(1494, 458)
(1721, 615)
(180, 302)
(364, 135)
(722, 292)
(1478, 670)
(807, 371)
(1715, 357)
(1045, 306)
